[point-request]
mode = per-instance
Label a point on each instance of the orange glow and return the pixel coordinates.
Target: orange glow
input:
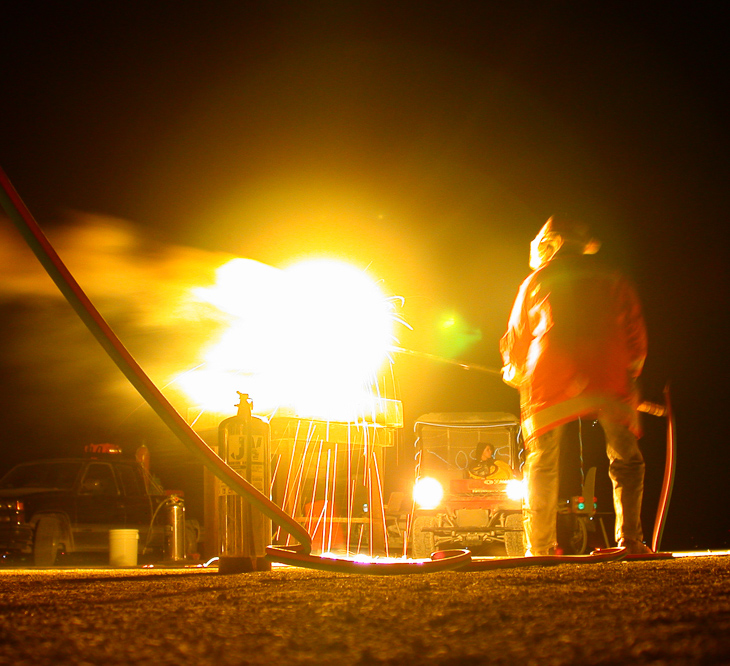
(309, 340)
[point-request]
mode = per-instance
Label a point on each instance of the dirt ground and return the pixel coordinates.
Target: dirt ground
(657, 612)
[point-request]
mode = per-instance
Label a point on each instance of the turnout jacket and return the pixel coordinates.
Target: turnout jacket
(577, 341)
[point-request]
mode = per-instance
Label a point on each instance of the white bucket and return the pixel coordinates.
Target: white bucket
(123, 548)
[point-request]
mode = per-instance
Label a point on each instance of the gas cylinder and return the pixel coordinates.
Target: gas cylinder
(244, 532)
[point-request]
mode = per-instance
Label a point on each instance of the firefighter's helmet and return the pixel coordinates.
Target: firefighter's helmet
(560, 232)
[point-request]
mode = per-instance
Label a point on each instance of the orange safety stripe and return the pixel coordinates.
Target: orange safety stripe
(548, 418)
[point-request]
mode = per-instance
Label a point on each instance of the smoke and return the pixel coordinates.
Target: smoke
(116, 263)
(50, 363)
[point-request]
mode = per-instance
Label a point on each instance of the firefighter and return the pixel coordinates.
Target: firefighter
(575, 347)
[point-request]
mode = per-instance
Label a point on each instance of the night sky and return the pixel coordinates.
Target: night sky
(424, 142)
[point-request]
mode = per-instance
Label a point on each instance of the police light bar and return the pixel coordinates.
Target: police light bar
(102, 448)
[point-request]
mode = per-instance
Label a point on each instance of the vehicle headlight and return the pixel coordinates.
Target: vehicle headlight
(427, 492)
(515, 489)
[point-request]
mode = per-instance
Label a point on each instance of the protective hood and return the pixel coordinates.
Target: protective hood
(557, 233)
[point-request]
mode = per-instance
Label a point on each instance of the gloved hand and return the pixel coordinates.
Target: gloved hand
(511, 376)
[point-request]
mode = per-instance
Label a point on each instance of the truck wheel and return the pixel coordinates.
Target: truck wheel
(424, 543)
(47, 541)
(514, 542)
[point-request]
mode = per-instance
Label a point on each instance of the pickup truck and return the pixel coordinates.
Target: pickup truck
(69, 505)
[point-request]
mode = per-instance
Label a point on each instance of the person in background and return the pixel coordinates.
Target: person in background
(575, 346)
(485, 465)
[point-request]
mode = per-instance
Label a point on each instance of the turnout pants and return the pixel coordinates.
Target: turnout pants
(626, 469)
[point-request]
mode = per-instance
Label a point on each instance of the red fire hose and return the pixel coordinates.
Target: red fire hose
(669, 465)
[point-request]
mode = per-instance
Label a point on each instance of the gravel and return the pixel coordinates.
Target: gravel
(641, 612)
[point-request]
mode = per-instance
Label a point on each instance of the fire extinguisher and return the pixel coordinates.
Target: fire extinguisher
(243, 531)
(175, 526)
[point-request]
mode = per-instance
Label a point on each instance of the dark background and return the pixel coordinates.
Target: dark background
(425, 142)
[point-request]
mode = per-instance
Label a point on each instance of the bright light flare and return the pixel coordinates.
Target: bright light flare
(428, 492)
(309, 339)
(351, 322)
(702, 553)
(516, 489)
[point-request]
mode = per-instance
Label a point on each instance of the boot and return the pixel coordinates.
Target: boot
(635, 547)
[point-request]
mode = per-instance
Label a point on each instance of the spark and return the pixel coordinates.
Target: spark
(309, 340)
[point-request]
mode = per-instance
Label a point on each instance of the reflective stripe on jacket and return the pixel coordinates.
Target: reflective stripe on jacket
(577, 340)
